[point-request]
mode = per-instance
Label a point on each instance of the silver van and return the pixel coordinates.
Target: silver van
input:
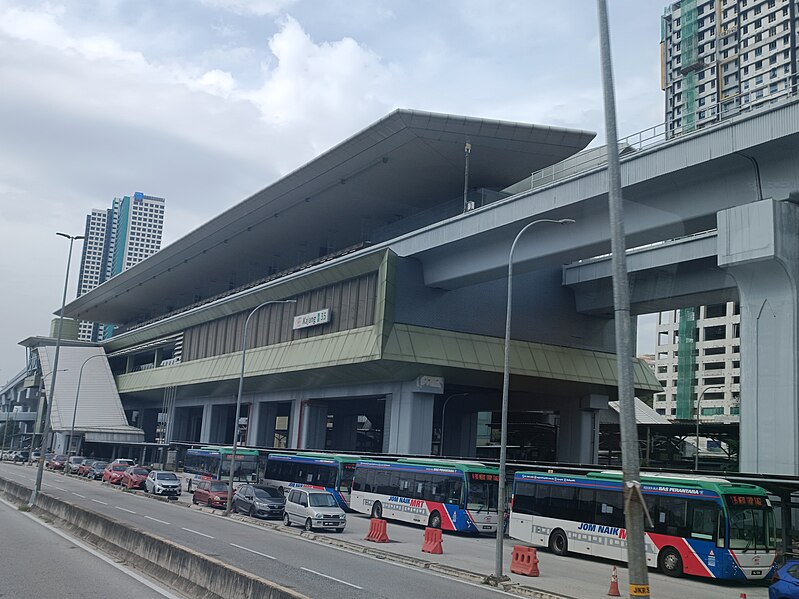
(314, 509)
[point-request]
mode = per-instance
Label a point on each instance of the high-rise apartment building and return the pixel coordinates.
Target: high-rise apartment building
(698, 361)
(721, 57)
(116, 239)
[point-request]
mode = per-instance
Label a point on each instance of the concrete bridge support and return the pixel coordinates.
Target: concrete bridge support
(758, 243)
(408, 427)
(578, 433)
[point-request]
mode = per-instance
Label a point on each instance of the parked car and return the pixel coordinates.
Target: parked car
(113, 473)
(134, 476)
(785, 582)
(84, 466)
(96, 470)
(259, 501)
(7, 454)
(125, 461)
(56, 462)
(21, 456)
(160, 482)
(73, 464)
(314, 509)
(213, 493)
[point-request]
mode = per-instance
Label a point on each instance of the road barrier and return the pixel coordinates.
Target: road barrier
(614, 583)
(188, 571)
(432, 541)
(525, 561)
(377, 531)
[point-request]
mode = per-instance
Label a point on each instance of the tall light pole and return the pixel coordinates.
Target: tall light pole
(75, 409)
(48, 404)
(503, 447)
(238, 397)
(634, 505)
(698, 404)
(443, 414)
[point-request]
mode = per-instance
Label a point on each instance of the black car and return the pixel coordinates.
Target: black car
(259, 501)
(21, 456)
(95, 472)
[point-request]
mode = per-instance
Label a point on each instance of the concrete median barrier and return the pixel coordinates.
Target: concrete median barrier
(181, 568)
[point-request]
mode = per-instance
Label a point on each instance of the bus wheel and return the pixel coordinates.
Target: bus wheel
(435, 520)
(377, 510)
(558, 543)
(670, 562)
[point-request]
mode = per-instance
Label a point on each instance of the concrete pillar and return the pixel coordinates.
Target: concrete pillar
(129, 364)
(578, 432)
(759, 246)
(265, 425)
(205, 431)
(294, 423)
(409, 420)
(345, 432)
(314, 424)
(159, 355)
(467, 440)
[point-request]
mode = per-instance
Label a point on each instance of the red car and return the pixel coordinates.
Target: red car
(212, 493)
(113, 473)
(56, 462)
(134, 477)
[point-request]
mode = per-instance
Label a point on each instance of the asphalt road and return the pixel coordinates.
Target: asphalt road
(314, 569)
(320, 570)
(37, 562)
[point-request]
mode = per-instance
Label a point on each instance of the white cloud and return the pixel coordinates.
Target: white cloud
(255, 7)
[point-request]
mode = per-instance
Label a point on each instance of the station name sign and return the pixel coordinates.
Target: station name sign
(312, 319)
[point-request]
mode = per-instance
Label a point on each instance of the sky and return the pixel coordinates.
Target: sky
(204, 102)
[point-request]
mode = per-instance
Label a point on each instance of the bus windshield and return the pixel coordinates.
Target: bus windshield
(482, 496)
(347, 474)
(751, 528)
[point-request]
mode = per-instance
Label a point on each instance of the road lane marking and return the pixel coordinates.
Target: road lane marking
(252, 551)
(202, 534)
(349, 584)
(157, 520)
(124, 509)
(55, 487)
(79, 495)
(98, 501)
(137, 577)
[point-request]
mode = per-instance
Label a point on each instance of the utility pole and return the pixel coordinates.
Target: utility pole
(634, 505)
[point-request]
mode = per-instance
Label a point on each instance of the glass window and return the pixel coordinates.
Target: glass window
(609, 508)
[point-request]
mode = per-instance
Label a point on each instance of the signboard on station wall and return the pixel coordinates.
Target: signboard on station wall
(312, 319)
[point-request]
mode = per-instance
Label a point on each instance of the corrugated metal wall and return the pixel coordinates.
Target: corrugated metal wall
(351, 303)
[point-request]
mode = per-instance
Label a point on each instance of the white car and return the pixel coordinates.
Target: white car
(160, 482)
(314, 509)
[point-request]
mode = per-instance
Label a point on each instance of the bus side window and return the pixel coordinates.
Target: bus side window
(382, 480)
(704, 520)
(721, 536)
(524, 498)
(455, 491)
(609, 508)
(542, 494)
(672, 517)
(585, 505)
(652, 508)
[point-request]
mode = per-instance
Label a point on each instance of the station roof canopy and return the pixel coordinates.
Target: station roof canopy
(405, 163)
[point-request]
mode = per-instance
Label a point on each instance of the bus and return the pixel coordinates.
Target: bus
(701, 526)
(331, 472)
(213, 463)
(459, 496)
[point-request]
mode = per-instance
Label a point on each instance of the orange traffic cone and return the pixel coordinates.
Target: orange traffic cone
(614, 584)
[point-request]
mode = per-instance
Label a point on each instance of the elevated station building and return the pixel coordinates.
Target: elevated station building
(382, 351)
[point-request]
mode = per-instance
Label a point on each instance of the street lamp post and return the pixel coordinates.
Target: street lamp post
(46, 423)
(75, 409)
(443, 414)
(698, 404)
(503, 448)
(238, 397)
